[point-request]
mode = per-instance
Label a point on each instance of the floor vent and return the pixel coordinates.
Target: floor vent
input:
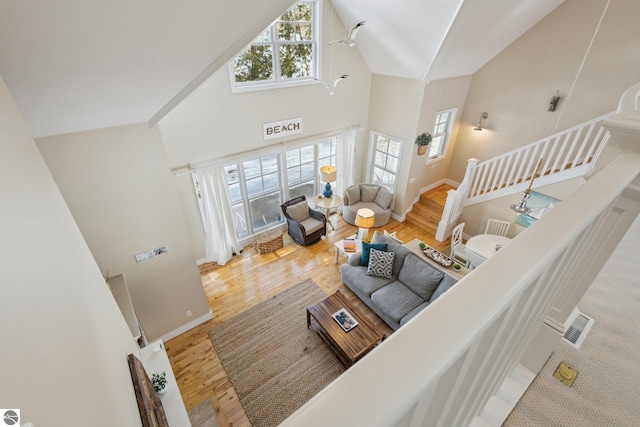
(578, 330)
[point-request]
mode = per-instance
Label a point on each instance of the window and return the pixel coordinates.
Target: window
(257, 187)
(385, 160)
(301, 172)
(285, 53)
(254, 189)
(441, 132)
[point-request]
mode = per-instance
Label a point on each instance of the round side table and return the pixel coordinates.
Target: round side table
(328, 203)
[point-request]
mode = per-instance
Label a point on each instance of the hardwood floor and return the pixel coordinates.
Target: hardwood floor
(247, 280)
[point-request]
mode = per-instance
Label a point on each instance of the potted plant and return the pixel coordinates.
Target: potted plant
(422, 245)
(422, 141)
(159, 381)
(457, 266)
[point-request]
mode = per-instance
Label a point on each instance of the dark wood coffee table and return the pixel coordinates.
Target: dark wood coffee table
(349, 346)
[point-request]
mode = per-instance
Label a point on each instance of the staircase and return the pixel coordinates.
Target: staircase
(565, 155)
(427, 211)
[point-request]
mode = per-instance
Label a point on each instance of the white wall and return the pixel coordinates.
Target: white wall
(405, 108)
(439, 95)
(516, 86)
(475, 216)
(64, 340)
(118, 186)
(213, 123)
(395, 111)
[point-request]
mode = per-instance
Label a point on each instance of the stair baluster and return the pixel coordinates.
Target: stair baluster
(568, 154)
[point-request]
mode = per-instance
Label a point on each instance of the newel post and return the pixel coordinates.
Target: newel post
(465, 186)
(455, 202)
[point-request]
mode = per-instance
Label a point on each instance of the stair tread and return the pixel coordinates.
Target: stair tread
(427, 211)
(421, 220)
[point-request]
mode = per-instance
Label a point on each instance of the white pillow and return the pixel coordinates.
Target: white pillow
(392, 236)
(299, 212)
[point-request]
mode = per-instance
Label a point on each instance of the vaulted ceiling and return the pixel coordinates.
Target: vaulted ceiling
(74, 66)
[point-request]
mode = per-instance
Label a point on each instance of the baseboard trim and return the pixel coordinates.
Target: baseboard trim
(399, 218)
(184, 328)
(423, 190)
(437, 184)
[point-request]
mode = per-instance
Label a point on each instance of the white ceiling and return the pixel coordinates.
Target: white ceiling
(435, 39)
(73, 65)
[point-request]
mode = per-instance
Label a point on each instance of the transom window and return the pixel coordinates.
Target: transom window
(442, 125)
(385, 159)
(285, 53)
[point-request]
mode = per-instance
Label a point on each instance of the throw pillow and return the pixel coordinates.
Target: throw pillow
(364, 258)
(368, 193)
(380, 263)
(392, 236)
(299, 212)
(419, 277)
(384, 198)
(352, 194)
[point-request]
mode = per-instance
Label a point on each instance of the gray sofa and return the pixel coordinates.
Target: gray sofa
(414, 284)
(372, 196)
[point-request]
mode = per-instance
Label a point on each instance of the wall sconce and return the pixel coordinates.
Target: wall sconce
(554, 101)
(482, 117)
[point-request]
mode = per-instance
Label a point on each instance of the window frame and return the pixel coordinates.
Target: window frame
(244, 201)
(442, 149)
(277, 81)
(372, 155)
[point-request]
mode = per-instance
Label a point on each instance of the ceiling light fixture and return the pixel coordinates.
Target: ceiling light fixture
(483, 116)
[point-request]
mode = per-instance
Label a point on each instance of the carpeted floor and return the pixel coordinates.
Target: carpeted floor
(273, 361)
(605, 392)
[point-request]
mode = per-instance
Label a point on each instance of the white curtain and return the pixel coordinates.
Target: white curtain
(220, 234)
(345, 160)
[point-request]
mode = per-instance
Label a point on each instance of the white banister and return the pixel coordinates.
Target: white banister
(455, 203)
(568, 154)
(443, 366)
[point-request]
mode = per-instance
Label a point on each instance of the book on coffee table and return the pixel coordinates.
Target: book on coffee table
(346, 321)
(349, 245)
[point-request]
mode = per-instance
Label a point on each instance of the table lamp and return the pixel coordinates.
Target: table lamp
(329, 174)
(364, 219)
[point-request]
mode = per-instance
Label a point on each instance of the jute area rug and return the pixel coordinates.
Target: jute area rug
(273, 361)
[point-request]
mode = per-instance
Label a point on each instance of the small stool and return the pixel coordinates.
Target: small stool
(268, 241)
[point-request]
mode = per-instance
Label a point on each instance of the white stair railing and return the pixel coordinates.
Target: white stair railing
(455, 203)
(490, 321)
(565, 155)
